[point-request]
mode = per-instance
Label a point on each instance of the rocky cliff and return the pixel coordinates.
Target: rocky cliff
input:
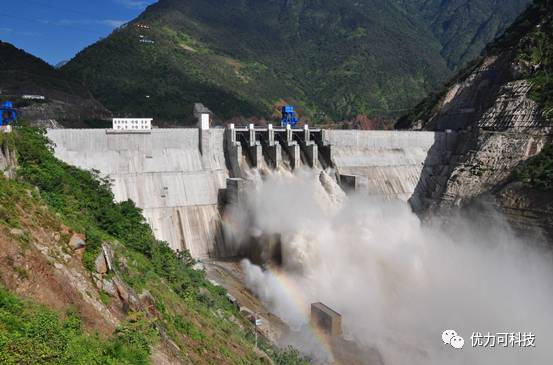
(8, 159)
(500, 108)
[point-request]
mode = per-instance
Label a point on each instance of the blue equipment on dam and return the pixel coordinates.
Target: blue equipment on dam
(7, 113)
(289, 116)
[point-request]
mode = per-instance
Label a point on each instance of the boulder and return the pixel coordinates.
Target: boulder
(122, 291)
(101, 264)
(123, 264)
(77, 242)
(147, 299)
(108, 255)
(17, 232)
(109, 287)
(97, 278)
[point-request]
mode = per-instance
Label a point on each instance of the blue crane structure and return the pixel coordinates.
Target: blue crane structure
(289, 116)
(7, 113)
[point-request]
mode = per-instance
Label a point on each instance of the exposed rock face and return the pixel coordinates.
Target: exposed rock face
(484, 160)
(77, 242)
(513, 111)
(71, 111)
(468, 99)
(524, 207)
(508, 133)
(8, 159)
(499, 127)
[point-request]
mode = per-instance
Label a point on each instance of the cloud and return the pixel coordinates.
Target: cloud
(11, 31)
(133, 4)
(110, 23)
(113, 23)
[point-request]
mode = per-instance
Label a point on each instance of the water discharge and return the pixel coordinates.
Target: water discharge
(397, 282)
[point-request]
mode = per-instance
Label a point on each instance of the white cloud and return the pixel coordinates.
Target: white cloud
(133, 4)
(110, 23)
(113, 23)
(11, 31)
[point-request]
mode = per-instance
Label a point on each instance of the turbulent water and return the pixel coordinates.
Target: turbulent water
(398, 283)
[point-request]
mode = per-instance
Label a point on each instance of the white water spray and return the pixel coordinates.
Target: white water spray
(398, 283)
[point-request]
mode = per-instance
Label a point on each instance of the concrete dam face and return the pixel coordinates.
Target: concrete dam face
(179, 177)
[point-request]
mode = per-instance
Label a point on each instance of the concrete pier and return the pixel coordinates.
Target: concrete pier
(310, 149)
(237, 190)
(275, 142)
(353, 183)
(272, 148)
(233, 152)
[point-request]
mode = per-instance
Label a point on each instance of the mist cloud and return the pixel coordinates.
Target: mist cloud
(399, 283)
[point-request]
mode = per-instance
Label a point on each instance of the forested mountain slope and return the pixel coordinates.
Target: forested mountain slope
(67, 102)
(464, 27)
(334, 59)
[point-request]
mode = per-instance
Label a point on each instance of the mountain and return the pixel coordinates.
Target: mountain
(61, 64)
(464, 27)
(501, 107)
(66, 102)
(243, 57)
(334, 59)
(339, 58)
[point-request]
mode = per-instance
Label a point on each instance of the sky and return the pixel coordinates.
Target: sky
(56, 30)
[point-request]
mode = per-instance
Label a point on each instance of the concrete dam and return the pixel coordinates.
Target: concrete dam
(181, 177)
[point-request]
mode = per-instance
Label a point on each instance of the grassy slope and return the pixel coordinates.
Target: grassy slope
(196, 315)
(338, 57)
(33, 334)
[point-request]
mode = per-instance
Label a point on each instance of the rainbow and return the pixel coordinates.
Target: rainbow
(293, 292)
(296, 296)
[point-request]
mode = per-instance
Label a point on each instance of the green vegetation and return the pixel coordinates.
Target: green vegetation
(538, 171)
(32, 334)
(537, 49)
(334, 60)
(22, 73)
(464, 27)
(195, 314)
(529, 41)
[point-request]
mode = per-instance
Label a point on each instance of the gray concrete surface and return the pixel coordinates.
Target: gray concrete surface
(164, 173)
(389, 164)
(177, 175)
